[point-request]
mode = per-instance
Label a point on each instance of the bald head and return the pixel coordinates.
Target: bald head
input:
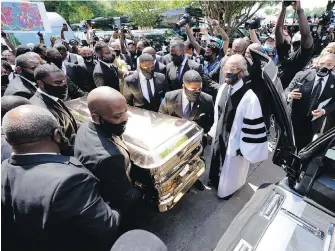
(239, 46)
(28, 124)
(108, 104)
(10, 102)
(151, 51)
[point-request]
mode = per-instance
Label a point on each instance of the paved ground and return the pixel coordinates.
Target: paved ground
(199, 220)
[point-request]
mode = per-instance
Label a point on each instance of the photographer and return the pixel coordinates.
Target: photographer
(293, 60)
(216, 31)
(269, 44)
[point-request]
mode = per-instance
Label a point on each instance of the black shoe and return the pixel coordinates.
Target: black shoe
(213, 183)
(227, 197)
(199, 185)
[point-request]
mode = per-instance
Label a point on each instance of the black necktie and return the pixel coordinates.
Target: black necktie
(315, 96)
(187, 111)
(151, 96)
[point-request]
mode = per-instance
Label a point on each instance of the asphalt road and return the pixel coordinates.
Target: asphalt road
(199, 219)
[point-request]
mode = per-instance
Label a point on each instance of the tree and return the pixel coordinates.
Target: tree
(146, 13)
(232, 13)
(76, 11)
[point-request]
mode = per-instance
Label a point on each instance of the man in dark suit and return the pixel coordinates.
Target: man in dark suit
(145, 88)
(49, 201)
(52, 89)
(100, 147)
(105, 73)
(8, 103)
(69, 57)
(89, 65)
(190, 103)
(181, 64)
(77, 79)
(24, 83)
(159, 67)
(312, 94)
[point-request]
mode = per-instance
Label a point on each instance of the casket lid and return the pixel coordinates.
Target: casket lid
(151, 136)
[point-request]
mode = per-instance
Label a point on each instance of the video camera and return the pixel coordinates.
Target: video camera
(288, 3)
(253, 24)
(185, 19)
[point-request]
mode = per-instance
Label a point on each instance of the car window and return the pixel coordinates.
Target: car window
(26, 38)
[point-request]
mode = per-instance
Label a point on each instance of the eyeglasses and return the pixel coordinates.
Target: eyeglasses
(231, 69)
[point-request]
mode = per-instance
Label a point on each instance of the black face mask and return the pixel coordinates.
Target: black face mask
(117, 52)
(4, 80)
(109, 60)
(323, 72)
(88, 59)
(28, 76)
(57, 61)
(138, 53)
(147, 74)
(112, 129)
(56, 91)
(177, 60)
(192, 96)
(208, 58)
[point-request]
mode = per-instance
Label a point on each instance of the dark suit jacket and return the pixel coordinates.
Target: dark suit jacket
(64, 117)
(175, 83)
(56, 205)
(79, 76)
(300, 106)
(159, 67)
(132, 91)
(107, 159)
(6, 149)
(202, 111)
(103, 75)
(20, 87)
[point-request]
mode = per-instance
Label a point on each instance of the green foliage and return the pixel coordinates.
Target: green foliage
(146, 13)
(76, 11)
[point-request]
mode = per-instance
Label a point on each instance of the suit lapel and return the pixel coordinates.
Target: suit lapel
(178, 107)
(195, 108)
(138, 89)
(329, 89)
(308, 87)
(185, 69)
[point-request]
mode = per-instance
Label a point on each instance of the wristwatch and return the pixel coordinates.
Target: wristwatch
(300, 11)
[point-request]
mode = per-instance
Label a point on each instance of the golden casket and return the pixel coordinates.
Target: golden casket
(165, 151)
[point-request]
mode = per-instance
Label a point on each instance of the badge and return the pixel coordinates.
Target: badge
(332, 86)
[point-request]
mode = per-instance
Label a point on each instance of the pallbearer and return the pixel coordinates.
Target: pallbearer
(239, 131)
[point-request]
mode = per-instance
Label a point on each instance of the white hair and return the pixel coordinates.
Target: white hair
(240, 61)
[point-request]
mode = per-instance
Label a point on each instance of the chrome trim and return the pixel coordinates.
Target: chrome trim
(272, 205)
(304, 224)
(329, 238)
(243, 245)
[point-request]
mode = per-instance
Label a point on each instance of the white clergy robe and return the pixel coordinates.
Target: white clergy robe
(246, 135)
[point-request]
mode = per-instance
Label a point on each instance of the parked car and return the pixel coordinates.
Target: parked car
(298, 212)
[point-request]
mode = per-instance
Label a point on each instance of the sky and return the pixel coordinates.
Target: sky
(313, 3)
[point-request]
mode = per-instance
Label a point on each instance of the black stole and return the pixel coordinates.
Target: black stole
(226, 113)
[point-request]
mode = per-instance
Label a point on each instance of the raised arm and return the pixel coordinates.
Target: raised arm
(8, 42)
(225, 37)
(192, 39)
(279, 26)
(253, 36)
(306, 36)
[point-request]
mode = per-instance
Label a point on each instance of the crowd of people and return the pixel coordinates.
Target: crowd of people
(66, 187)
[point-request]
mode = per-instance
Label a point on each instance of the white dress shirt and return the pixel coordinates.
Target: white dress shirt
(324, 81)
(182, 65)
(236, 86)
(144, 87)
(185, 101)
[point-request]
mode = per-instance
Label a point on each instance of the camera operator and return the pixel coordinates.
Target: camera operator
(293, 58)
(216, 31)
(269, 44)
